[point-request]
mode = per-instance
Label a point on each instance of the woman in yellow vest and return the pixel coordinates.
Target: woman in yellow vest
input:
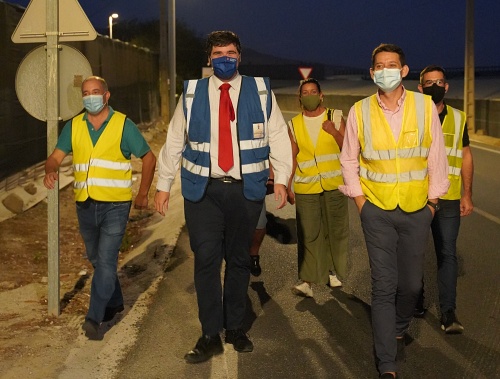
(322, 211)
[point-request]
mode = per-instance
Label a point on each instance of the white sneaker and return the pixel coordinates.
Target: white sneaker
(334, 282)
(303, 289)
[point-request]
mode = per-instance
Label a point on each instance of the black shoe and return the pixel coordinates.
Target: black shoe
(91, 329)
(400, 354)
(240, 340)
(388, 375)
(450, 323)
(255, 270)
(205, 348)
(110, 312)
(419, 312)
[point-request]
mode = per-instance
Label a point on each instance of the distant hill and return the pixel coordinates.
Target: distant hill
(259, 64)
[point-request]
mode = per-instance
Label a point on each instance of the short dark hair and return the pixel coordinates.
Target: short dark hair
(431, 68)
(309, 80)
(222, 38)
(389, 48)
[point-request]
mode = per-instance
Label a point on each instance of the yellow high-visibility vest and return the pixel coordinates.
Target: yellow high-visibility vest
(453, 131)
(395, 174)
(318, 165)
(101, 171)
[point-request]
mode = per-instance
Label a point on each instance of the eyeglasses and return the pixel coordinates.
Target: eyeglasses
(439, 82)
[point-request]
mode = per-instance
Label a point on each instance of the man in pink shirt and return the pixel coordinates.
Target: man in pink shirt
(395, 168)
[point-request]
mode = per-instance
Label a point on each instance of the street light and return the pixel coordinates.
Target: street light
(114, 15)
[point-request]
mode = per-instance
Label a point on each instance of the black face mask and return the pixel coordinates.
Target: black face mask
(436, 92)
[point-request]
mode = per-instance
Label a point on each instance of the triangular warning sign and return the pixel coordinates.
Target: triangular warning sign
(305, 72)
(73, 23)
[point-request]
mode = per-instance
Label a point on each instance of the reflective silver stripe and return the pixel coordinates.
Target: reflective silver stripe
(412, 152)
(109, 183)
(254, 167)
(307, 179)
(195, 169)
(392, 178)
(261, 87)
(81, 167)
(454, 170)
(331, 174)
(123, 166)
(379, 154)
(453, 152)
(458, 125)
(306, 164)
(200, 146)
(420, 109)
(327, 157)
(252, 144)
(79, 185)
(367, 127)
(188, 98)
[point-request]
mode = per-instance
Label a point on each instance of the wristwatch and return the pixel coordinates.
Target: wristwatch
(434, 205)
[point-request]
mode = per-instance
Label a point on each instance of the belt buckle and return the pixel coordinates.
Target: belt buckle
(227, 179)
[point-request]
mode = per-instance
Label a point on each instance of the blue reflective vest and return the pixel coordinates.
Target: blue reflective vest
(254, 107)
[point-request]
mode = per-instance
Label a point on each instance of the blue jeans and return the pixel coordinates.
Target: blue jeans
(102, 226)
(396, 242)
(445, 226)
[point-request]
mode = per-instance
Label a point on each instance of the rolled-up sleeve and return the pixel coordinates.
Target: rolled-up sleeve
(280, 156)
(437, 161)
(170, 153)
(349, 158)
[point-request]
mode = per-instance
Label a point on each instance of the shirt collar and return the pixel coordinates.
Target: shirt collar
(400, 101)
(111, 111)
(235, 82)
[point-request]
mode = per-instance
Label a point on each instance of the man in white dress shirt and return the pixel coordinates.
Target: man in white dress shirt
(224, 145)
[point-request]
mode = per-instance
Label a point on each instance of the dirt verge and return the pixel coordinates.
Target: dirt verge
(32, 343)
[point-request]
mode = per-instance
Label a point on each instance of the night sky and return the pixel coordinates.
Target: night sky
(327, 31)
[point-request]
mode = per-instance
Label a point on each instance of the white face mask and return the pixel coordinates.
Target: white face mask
(387, 79)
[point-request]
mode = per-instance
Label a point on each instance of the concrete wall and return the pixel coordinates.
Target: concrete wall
(487, 110)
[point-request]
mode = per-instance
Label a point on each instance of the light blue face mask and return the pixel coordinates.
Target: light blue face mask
(387, 79)
(93, 103)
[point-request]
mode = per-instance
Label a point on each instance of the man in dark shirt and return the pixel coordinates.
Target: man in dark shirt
(456, 203)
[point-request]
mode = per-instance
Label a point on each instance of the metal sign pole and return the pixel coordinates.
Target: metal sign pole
(171, 52)
(52, 126)
(49, 29)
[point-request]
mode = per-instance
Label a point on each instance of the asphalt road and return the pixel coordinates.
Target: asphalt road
(330, 336)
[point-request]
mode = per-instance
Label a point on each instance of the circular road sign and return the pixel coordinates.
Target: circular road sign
(31, 82)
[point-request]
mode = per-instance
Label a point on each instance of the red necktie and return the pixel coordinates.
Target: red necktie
(226, 115)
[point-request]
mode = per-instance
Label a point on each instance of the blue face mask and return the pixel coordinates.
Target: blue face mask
(93, 103)
(387, 79)
(224, 67)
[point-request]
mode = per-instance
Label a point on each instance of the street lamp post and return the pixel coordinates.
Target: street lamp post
(114, 15)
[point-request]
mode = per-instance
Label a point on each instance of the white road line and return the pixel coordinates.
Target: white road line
(485, 149)
(487, 215)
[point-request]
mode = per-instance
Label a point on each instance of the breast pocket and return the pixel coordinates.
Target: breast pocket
(410, 138)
